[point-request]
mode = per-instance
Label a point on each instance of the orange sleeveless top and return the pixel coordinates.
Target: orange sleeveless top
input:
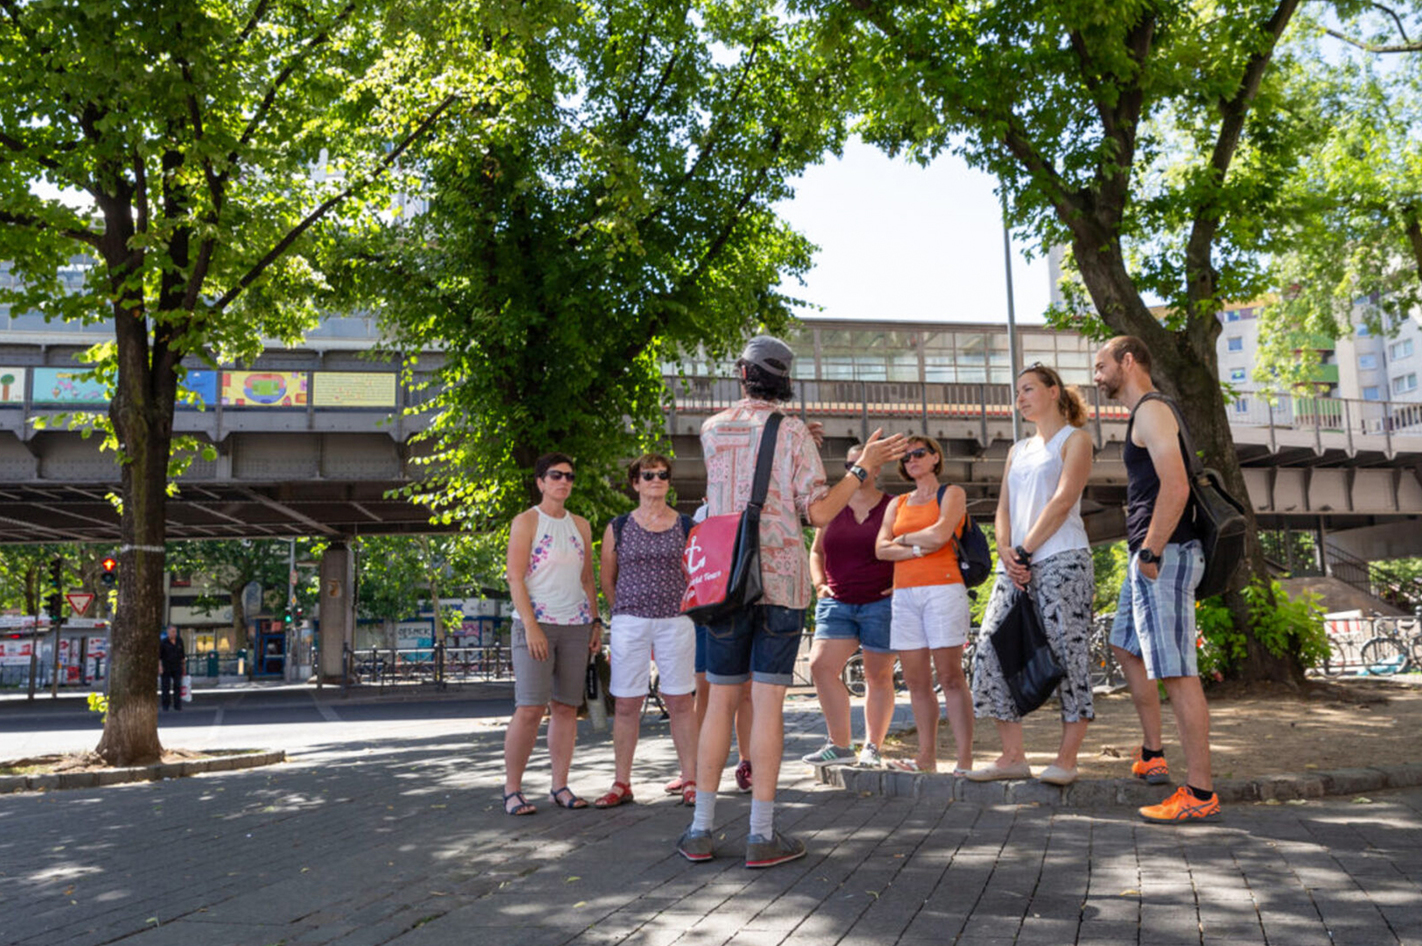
(935, 568)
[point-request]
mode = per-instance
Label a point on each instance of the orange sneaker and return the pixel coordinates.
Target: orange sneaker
(1153, 771)
(1182, 806)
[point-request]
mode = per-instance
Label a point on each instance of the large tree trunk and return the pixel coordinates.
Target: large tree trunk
(1185, 366)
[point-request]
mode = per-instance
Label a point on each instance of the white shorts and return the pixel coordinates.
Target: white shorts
(931, 616)
(635, 642)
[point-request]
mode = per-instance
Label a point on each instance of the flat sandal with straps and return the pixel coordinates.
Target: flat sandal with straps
(615, 797)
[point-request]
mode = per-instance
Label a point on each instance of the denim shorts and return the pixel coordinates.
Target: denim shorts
(866, 623)
(1155, 620)
(700, 665)
(760, 643)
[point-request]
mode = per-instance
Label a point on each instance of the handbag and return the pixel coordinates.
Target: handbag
(1028, 665)
(721, 560)
(974, 556)
(1218, 518)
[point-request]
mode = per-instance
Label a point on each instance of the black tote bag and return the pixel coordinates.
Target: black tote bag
(1028, 664)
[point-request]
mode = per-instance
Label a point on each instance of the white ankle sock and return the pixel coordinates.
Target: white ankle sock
(762, 817)
(704, 817)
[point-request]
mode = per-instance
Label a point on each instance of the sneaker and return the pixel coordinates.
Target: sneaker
(695, 845)
(743, 776)
(776, 849)
(870, 758)
(829, 755)
(1182, 806)
(1154, 771)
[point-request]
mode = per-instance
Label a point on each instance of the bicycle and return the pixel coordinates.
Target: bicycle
(1392, 651)
(853, 673)
(1105, 671)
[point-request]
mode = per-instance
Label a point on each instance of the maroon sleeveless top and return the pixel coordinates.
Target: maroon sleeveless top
(854, 575)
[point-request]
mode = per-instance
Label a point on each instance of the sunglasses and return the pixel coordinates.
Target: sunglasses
(556, 475)
(649, 475)
(919, 454)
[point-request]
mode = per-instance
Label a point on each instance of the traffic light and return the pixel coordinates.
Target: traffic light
(110, 571)
(55, 602)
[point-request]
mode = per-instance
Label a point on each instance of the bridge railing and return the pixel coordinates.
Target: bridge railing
(1375, 423)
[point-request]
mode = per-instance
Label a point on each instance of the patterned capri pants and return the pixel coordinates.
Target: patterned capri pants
(1062, 587)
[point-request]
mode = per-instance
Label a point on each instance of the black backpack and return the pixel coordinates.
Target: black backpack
(974, 555)
(1218, 517)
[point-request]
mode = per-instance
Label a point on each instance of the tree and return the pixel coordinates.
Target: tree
(1356, 256)
(1155, 140)
(396, 574)
(617, 216)
(194, 157)
(232, 564)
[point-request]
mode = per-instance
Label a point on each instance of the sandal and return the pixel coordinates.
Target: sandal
(523, 807)
(906, 765)
(615, 797)
(688, 793)
(573, 801)
(675, 786)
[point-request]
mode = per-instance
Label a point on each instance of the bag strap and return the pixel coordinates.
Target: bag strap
(765, 457)
(965, 525)
(687, 524)
(1187, 443)
(618, 525)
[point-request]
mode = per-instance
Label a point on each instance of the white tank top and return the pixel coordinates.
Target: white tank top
(1031, 483)
(555, 572)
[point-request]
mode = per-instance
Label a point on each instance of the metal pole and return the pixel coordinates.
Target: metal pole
(1013, 354)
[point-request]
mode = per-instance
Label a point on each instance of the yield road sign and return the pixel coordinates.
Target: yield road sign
(80, 601)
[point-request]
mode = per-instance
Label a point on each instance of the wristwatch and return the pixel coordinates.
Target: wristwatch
(858, 472)
(917, 551)
(1147, 557)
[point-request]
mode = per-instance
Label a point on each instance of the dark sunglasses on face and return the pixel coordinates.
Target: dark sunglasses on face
(556, 475)
(919, 453)
(649, 475)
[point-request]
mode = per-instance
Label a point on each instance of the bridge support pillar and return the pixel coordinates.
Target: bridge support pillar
(337, 609)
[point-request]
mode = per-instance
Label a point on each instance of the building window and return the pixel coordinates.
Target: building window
(1232, 315)
(1405, 383)
(1241, 406)
(1400, 350)
(1363, 331)
(1236, 374)
(1367, 362)
(1235, 343)
(1373, 393)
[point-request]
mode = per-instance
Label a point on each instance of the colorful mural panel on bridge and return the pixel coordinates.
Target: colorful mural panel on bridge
(68, 386)
(353, 389)
(203, 385)
(264, 389)
(12, 385)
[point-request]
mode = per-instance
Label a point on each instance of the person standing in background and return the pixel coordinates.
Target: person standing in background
(172, 661)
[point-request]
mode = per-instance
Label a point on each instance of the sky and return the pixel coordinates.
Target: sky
(902, 242)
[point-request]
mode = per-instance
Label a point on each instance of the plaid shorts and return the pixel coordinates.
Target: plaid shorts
(1155, 620)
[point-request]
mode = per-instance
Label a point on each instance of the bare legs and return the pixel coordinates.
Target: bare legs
(879, 696)
(523, 733)
(627, 723)
(918, 677)
(767, 740)
(1192, 715)
(827, 659)
(744, 712)
(957, 699)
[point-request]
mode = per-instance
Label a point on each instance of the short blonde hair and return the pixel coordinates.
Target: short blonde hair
(933, 448)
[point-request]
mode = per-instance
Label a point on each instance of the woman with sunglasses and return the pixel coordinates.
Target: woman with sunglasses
(643, 582)
(550, 577)
(1042, 548)
(930, 620)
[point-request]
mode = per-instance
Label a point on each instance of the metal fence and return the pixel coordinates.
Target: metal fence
(438, 665)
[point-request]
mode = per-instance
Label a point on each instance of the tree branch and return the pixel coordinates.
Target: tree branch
(19, 147)
(259, 116)
(281, 246)
(1199, 273)
(30, 222)
(1372, 47)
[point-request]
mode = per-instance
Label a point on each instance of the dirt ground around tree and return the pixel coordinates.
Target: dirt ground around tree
(1260, 730)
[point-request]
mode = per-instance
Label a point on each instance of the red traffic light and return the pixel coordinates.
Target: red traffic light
(110, 564)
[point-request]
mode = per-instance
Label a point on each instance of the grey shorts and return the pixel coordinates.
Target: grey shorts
(562, 677)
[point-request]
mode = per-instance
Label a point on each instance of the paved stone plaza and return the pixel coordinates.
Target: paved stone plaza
(389, 834)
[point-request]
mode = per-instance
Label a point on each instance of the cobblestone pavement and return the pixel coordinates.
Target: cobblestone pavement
(402, 840)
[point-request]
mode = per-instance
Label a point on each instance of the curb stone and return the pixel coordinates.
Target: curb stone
(142, 773)
(1102, 793)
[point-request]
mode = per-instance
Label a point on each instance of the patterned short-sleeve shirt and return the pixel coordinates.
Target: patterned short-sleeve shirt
(729, 441)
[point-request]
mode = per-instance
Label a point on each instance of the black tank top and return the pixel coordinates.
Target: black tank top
(1142, 488)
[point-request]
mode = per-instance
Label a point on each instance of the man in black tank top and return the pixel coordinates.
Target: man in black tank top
(1154, 633)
